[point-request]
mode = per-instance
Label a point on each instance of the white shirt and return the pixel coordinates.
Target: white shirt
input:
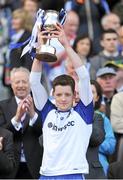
(66, 135)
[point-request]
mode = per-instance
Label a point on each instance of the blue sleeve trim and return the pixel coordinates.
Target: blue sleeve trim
(46, 109)
(86, 112)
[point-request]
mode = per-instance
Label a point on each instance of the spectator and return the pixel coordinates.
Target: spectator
(31, 6)
(90, 13)
(118, 67)
(67, 125)
(4, 38)
(18, 115)
(97, 137)
(107, 147)
(106, 77)
(117, 124)
(117, 9)
(117, 113)
(22, 24)
(109, 42)
(7, 163)
(110, 21)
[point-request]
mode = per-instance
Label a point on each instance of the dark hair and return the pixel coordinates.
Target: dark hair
(99, 93)
(112, 31)
(79, 38)
(64, 80)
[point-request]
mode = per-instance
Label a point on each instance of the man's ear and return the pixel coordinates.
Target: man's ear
(52, 92)
(74, 95)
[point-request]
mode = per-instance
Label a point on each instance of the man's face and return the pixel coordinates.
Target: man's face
(71, 25)
(107, 82)
(20, 84)
(31, 7)
(63, 97)
(17, 22)
(110, 42)
(113, 22)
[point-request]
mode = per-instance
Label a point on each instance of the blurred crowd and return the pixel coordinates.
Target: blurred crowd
(94, 29)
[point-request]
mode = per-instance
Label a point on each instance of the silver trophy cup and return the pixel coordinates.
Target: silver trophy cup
(47, 52)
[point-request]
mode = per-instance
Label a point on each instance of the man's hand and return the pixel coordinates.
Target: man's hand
(1, 143)
(60, 34)
(72, 55)
(21, 109)
(29, 106)
(25, 106)
(42, 38)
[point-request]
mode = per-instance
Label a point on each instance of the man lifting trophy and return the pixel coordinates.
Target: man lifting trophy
(45, 20)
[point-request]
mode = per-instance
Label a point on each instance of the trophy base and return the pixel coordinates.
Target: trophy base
(46, 57)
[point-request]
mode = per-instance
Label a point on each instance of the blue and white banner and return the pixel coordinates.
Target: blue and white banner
(32, 43)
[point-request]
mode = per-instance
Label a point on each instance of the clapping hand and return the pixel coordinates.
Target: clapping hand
(25, 106)
(29, 105)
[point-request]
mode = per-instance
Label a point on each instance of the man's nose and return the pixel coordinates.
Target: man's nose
(63, 98)
(20, 84)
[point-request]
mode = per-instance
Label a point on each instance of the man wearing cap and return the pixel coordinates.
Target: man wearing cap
(106, 77)
(118, 67)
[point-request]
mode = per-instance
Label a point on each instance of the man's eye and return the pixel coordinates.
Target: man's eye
(58, 95)
(68, 94)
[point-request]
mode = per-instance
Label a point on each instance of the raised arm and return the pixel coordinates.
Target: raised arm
(85, 91)
(38, 90)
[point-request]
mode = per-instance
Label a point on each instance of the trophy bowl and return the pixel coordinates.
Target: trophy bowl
(50, 20)
(47, 52)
